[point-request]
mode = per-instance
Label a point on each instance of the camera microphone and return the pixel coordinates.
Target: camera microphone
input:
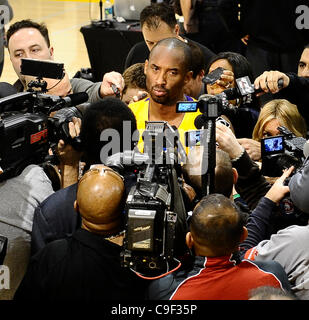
(199, 121)
(73, 99)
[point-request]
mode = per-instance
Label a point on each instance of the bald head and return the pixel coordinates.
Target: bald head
(217, 224)
(224, 172)
(99, 200)
(172, 45)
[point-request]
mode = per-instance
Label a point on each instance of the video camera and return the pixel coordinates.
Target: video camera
(155, 211)
(26, 129)
(213, 106)
(281, 152)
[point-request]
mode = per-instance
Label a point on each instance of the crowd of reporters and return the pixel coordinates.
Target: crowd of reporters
(66, 218)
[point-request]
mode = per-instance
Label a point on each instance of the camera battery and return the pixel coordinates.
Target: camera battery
(140, 232)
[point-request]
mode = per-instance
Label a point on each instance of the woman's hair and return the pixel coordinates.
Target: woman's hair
(287, 115)
(240, 65)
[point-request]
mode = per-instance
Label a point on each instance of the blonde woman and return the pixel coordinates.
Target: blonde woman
(278, 112)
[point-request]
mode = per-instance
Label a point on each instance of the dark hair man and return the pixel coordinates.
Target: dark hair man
(303, 64)
(29, 39)
(158, 22)
(196, 86)
(55, 217)
(87, 265)
(216, 229)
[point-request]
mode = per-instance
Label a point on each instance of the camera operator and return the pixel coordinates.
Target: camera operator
(287, 245)
(216, 229)
(290, 245)
(55, 217)
(28, 39)
(275, 113)
(20, 196)
(91, 255)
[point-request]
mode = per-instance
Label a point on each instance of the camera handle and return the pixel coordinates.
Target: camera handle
(39, 83)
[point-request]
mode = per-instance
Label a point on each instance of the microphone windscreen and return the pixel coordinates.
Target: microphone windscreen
(199, 122)
(78, 98)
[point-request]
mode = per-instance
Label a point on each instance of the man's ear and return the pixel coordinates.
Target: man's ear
(145, 66)
(51, 51)
(177, 29)
(76, 207)
(189, 240)
(202, 74)
(235, 175)
(188, 77)
(244, 234)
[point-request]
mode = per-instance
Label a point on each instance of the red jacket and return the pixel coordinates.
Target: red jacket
(216, 279)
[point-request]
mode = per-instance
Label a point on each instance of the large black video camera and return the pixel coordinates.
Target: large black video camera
(281, 152)
(26, 129)
(155, 211)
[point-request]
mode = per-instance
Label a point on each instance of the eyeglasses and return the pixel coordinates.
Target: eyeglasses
(102, 169)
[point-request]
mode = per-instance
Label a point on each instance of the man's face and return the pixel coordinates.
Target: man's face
(303, 65)
(127, 97)
(28, 43)
(152, 36)
(165, 75)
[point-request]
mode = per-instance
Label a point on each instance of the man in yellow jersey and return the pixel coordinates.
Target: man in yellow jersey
(167, 72)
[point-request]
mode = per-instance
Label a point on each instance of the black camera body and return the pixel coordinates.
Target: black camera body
(150, 226)
(26, 129)
(151, 221)
(27, 137)
(210, 106)
(24, 140)
(281, 152)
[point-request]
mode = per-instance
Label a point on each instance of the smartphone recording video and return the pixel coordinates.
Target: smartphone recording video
(213, 76)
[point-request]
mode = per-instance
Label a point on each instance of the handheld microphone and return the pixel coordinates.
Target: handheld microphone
(239, 91)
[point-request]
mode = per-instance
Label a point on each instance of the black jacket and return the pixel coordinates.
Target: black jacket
(83, 267)
(271, 25)
(297, 92)
(55, 218)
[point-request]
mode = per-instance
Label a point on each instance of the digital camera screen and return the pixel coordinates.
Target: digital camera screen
(272, 145)
(186, 106)
(193, 138)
